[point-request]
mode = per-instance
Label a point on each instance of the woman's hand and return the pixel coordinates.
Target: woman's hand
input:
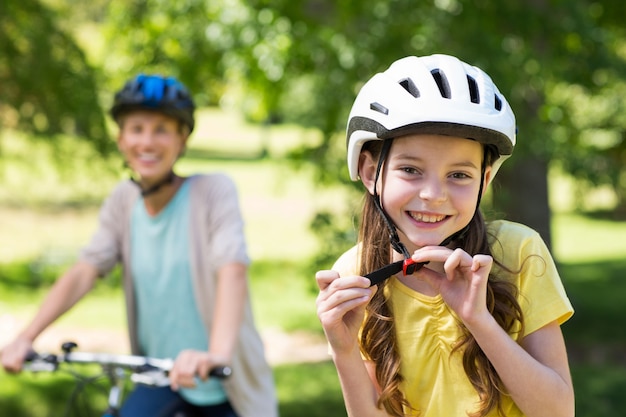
(191, 364)
(341, 307)
(14, 353)
(463, 283)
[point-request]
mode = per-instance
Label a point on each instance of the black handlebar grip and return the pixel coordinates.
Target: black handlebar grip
(221, 371)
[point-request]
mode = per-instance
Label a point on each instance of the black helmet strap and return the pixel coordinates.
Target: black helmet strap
(168, 179)
(393, 232)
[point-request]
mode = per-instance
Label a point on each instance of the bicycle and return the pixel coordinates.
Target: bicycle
(118, 369)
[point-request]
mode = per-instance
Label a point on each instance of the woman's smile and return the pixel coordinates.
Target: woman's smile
(151, 143)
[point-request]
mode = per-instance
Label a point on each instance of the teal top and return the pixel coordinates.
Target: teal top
(217, 238)
(168, 318)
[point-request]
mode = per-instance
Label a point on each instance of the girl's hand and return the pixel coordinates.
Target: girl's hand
(463, 284)
(191, 364)
(341, 307)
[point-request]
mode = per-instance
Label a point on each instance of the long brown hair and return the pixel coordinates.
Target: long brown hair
(378, 337)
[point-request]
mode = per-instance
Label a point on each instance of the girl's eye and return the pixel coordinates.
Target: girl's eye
(460, 175)
(409, 170)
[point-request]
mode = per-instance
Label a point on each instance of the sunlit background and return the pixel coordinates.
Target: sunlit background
(274, 82)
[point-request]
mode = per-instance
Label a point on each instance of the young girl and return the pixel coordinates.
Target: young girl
(436, 312)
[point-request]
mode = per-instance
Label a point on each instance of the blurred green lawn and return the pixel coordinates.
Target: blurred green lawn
(39, 230)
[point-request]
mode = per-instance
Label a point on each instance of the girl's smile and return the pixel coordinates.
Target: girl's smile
(426, 217)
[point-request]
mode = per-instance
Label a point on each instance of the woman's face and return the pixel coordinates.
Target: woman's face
(151, 142)
(429, 186)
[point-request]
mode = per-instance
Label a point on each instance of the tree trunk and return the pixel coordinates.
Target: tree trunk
(521, 193)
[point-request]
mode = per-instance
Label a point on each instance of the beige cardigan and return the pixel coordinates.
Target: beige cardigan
(217, 237)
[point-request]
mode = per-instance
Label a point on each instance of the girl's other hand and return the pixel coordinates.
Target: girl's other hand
(341, 307)
(463, 282)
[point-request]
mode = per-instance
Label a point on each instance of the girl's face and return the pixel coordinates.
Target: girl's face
(429, 186)
(151, 142)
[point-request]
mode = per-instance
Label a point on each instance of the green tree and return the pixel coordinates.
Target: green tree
(48, 88)
(560, 64)
(530, 49)
(589, 118)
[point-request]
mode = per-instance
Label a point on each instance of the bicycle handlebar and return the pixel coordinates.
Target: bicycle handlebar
(143, 369)
(118, 368)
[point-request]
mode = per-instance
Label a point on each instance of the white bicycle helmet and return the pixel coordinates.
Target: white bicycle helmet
(436, 94)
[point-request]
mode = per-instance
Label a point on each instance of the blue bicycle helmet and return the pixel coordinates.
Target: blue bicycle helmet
(155, 92)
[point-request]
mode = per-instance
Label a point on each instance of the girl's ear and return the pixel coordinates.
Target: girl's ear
(367, 170)
(487, 179)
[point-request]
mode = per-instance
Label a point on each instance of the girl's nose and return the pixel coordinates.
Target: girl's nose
(433, 190)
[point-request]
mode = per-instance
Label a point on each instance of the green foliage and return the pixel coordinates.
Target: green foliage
(309, 390)
(335, 238)
(59, 394)
(591, 134)
(303, 62)
(293, 282)
(304, 390)
(597, 291)
(47, 86)
(43, 272)
(528, 49)
(599, 390)
(61, 172)
(193, 40)
(27, 275)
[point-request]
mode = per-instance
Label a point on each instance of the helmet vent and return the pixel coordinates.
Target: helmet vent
(379, 108)
(410, 87)
(473, 89)
(442, 83)
(498, 103)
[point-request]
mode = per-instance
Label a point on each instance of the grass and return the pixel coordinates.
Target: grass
(309, 390)
(46, 395)
(283, 297)
(598, 293)
(600, 390)
(45, 219)
(580, 239)
(299, 394)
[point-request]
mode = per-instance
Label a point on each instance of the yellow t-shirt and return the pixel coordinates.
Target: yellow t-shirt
(435, 382)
